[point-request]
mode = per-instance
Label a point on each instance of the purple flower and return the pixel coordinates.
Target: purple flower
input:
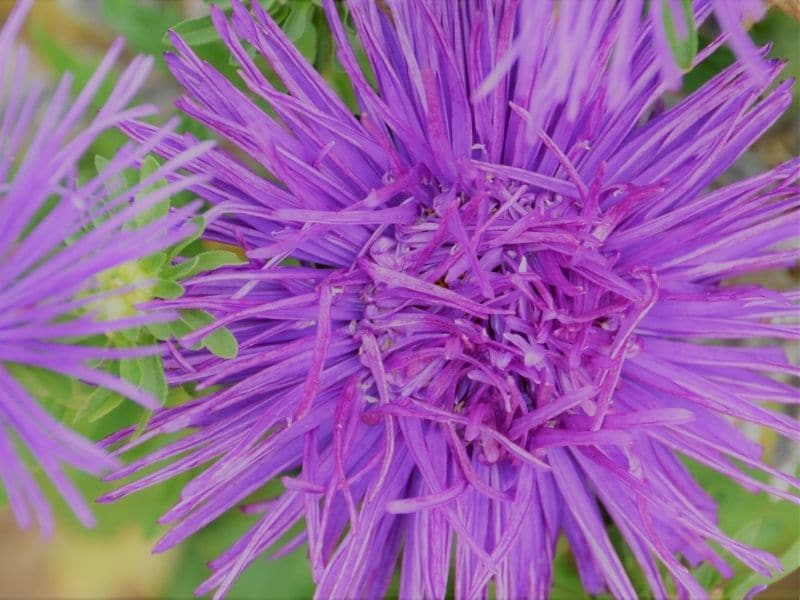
(473, 323)
(60, 242)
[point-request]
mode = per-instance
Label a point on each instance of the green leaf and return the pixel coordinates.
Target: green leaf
(152, 264)
(183, 269)
(149, 166)
(195, 319)
(213, 259)
(195, 32)
(205, 261)
(298, 19)
(685, 49)
(179, 328)
(200, 226)
(42, 384)
(101, 402)
(160, 331)
(790, 559)
(100, 163)
(141, 22)
(757, 520)
(114, 185)
(164, 288)
(129, 370)
(152, 379)
(190, 321)
(147, 374)
(222, 343)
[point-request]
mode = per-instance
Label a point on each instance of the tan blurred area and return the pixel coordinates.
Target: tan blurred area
(790, 7)
(63, 22)
(77, 564)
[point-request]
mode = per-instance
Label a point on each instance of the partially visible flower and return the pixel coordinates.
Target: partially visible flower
(60, 242)
(472, 324)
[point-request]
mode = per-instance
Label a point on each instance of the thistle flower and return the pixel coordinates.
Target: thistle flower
(472, 323)
(60, 242)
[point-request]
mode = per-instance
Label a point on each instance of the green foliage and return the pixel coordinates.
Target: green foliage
(196, 32)
(62, 58)
(304, 23)
(141, 23)
(684, 49)
(775, 29)
(164, 271)
(284, 577)
(754, 519)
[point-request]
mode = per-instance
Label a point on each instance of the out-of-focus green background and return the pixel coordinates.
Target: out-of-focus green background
(114, 560)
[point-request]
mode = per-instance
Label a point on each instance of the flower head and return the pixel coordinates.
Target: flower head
(59, 241)
(473, 312)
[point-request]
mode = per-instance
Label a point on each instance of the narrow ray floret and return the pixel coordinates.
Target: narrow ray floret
(58, 239)
(473, 323)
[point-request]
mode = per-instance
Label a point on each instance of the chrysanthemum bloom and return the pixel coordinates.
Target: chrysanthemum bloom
(59, 243)
(473, 316)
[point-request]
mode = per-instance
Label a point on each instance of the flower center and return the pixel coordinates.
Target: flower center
(501, 311)
(127, 276)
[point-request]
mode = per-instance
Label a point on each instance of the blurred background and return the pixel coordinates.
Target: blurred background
(114, 560)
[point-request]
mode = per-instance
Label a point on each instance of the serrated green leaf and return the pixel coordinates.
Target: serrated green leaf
(169, 290)
(222, 343)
